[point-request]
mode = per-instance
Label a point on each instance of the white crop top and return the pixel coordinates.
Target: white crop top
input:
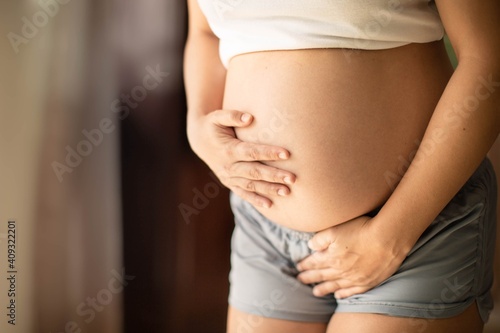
(262, 25)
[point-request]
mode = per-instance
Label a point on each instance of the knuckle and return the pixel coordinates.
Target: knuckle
(255, 173)
(270, 153)
(317, 260)
(235, 116)
(250, 186)
(334, 284)
(253, 153)
(276, 177)
(320, 241)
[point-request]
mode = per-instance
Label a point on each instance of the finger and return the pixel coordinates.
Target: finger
(322, 239)
(318, 275)
(260, 187)
(329, 287)
(259, 171)
(309, 263)
(231, 118)
(318, 260)
(247, 151)
(252, 197)
(348, 292)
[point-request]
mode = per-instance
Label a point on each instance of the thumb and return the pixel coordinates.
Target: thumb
(232, 118)
(322, 240)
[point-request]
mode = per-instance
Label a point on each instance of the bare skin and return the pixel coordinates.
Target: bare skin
(337, 112)
(467, 322)
(262, 167)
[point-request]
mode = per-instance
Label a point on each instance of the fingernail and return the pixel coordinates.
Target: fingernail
(281, 192)
(287, 180)
(245, 117)
(283, 155)
(266, 205)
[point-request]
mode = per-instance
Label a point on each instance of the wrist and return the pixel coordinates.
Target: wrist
(394, 234)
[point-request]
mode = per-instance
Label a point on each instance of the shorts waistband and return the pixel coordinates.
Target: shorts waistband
(248, 209)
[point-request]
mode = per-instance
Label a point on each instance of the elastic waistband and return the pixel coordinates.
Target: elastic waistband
(247, 209)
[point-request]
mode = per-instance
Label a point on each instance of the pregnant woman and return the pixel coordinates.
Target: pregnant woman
(356, 157)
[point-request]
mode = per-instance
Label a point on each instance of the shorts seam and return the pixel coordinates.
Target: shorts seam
(395, 310)
(282, 314)
(405, 306)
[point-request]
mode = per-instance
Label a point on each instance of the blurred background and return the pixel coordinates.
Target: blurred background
(119, 227)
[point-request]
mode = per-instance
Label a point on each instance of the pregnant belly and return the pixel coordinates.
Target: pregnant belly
(351, 123)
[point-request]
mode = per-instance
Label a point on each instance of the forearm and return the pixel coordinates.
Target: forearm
(462, 129)
(204, 76)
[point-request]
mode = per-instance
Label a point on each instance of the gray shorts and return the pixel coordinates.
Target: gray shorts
(449, 268)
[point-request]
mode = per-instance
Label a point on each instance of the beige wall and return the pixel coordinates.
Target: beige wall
(21, 113)
(68, 242)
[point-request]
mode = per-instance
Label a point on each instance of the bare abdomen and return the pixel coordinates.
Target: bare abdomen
(350, 123)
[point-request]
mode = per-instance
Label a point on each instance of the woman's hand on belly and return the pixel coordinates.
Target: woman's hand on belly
(238, 164)
(350, 258)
